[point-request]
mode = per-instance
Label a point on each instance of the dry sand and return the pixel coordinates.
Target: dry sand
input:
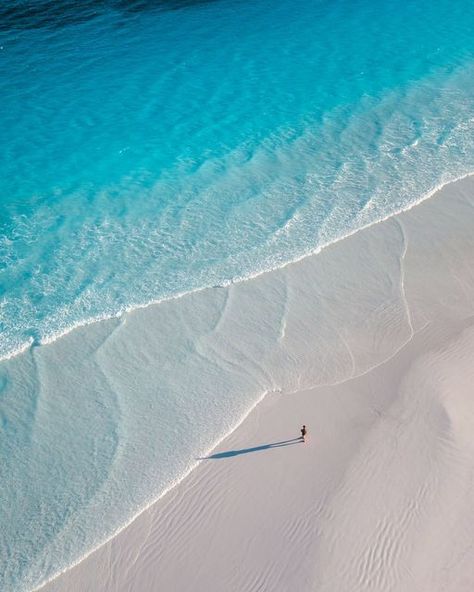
(381, 496)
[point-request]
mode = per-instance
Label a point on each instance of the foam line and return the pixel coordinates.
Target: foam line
(236, 280)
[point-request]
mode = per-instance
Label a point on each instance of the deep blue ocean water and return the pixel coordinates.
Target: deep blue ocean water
(150, 149)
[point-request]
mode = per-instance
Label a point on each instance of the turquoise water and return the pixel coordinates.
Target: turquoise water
(154, 151)
(151, 149)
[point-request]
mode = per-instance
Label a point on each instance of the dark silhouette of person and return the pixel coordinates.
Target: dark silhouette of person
(303, 433)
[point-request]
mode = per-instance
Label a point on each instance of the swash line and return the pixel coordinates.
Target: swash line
(238, 279)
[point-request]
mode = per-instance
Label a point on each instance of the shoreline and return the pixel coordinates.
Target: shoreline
(417, 325)
(316, 251)
(154, 501)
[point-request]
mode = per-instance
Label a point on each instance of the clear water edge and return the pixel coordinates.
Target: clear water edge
(318, 249)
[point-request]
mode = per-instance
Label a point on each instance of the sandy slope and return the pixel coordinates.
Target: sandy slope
(381, 497)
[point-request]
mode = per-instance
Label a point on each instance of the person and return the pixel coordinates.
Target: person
(303, 433)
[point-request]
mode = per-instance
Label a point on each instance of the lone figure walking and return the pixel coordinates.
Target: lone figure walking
(303, 433)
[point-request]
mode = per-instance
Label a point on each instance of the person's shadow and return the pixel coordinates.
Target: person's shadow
(229, 453)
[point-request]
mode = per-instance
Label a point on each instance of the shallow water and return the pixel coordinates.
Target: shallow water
(156, 148)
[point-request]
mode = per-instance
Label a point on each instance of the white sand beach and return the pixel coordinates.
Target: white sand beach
(372, 347)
